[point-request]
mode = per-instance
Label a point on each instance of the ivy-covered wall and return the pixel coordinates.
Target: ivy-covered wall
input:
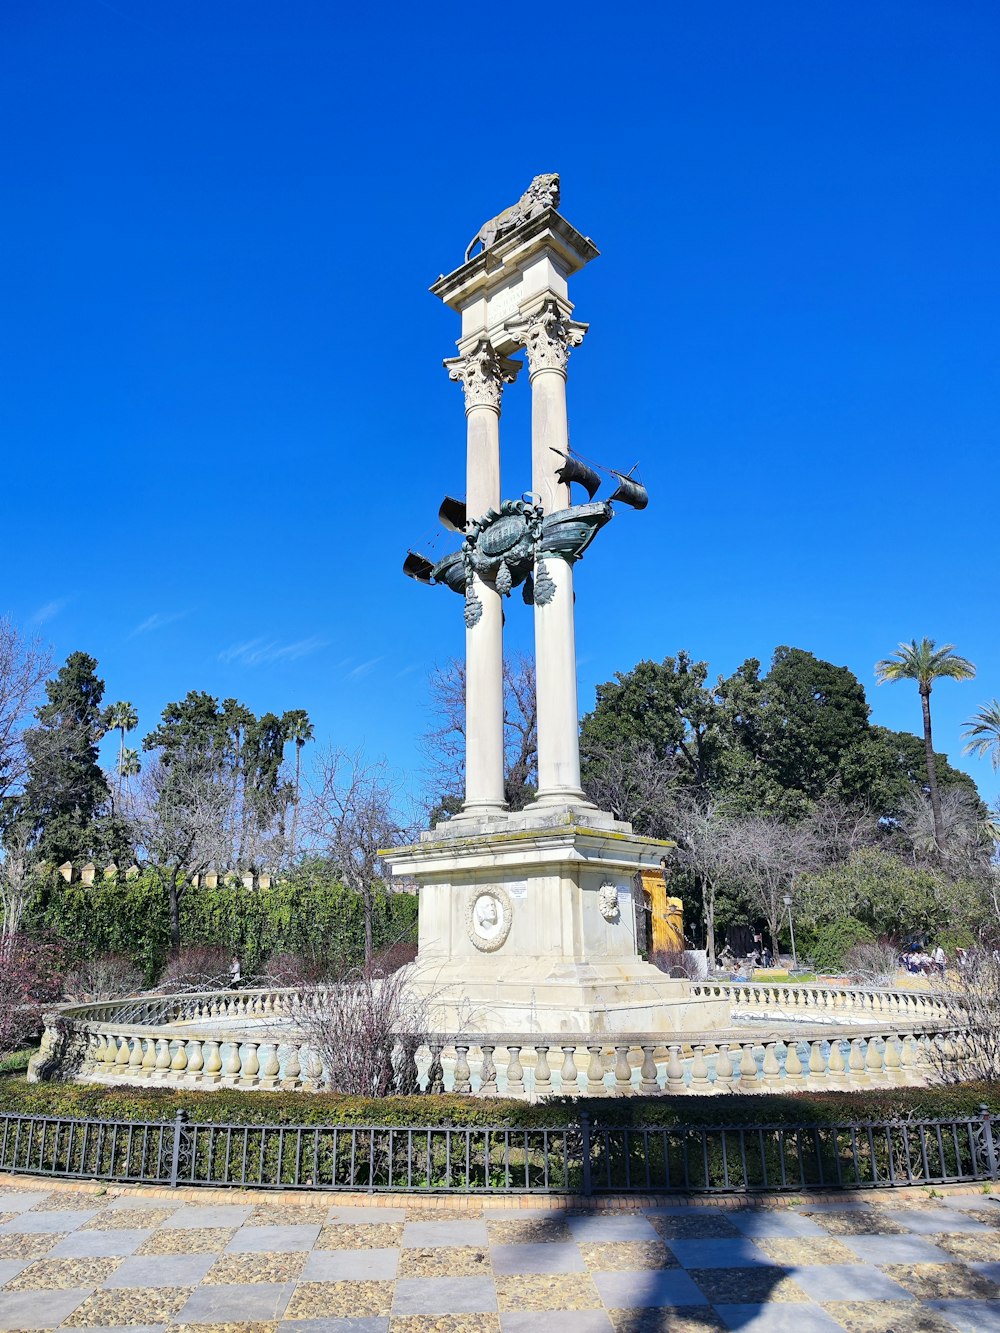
(308, 914)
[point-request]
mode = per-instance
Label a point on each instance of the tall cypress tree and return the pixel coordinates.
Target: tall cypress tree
(66, 792)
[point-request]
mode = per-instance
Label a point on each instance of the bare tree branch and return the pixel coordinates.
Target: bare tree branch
(24, 666)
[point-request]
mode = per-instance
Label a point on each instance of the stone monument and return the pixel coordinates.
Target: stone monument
(528, 920)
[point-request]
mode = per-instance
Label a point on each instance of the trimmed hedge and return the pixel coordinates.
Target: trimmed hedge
(232, 1106)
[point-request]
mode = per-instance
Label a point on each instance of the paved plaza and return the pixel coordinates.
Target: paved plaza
(81, 1260)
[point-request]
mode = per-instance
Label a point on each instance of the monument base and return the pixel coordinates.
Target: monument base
(532, 924)
(524, 998)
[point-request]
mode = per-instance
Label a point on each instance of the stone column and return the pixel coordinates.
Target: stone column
(547, 336)
(482, 374)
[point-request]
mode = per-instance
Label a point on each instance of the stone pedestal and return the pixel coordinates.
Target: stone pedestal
(531, 927)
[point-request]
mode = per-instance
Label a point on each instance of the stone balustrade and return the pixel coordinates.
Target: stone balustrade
(533, 1067)
(825, 1037)
(747, 996)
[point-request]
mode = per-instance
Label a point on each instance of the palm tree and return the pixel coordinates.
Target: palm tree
(128, 765)
(925, 663)
(983, 732)
(121, 717)
(300, 730)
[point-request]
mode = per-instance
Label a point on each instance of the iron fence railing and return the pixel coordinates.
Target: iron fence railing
(579, 1158)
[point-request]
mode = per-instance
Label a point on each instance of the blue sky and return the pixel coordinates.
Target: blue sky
(222, 408)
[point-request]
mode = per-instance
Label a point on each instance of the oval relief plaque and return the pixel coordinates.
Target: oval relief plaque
(487, 917)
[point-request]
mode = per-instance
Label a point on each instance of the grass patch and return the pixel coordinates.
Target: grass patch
(16, 1062)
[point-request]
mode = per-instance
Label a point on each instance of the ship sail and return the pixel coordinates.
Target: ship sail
(573, 470)
(451, 515)
(631, 492)
(418, 567)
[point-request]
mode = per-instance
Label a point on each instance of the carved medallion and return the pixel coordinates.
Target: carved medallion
(487, 917)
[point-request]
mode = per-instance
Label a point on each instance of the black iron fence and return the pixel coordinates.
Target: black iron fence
(580, 1158)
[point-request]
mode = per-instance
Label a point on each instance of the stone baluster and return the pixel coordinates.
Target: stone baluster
(180, 1061)
(874, 1061)
(623, 1070)
(771, 1069)
(110, 1053)
(291, 1074)
(232, 1063)
(723, 1069)
(463, 1074)
(817, 1065)
(515, 1073)
(793, 1065)
(675, 1070)
(135, 1058)
(123, 1056)
(487, 1071)
(543, 1073)
(568, 1073)
(856, 1063)
(435, 1070)
(837, 1070)
(269, 1067)
(101, 1049)
(595, 1072)
(907, 1058)
(748, 1067)
(213, 1062)
(893, 1068)
(196, 1057)
(148, 1067)
(699, 1071)
(161, 1065)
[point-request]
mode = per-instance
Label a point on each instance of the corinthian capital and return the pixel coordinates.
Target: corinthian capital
(482, 374)
(547, 337)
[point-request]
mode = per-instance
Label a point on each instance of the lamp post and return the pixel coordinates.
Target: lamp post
(791, 930)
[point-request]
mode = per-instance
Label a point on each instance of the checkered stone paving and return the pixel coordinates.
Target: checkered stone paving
(148, 1264)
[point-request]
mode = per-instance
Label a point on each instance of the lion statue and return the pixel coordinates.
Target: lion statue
(542, 193)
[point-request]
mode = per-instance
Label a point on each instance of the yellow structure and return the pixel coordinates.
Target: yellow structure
(665, 915)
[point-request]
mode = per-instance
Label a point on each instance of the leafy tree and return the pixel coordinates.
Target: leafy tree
(887, 895)
(925, 663)
(663, 706)
(983, 733)
(238, 753)
(66, 793)
(791, 731)
(886, 767)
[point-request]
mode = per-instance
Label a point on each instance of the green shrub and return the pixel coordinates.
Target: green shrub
(831, 942)
(234, 1106)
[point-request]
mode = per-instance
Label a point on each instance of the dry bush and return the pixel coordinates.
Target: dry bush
(30, 979)
(366, 1030)
(971, 996)
(196, 967)
(294, 970)
(104, 977)
(676, 963)
(874, 963)
(399, 954)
